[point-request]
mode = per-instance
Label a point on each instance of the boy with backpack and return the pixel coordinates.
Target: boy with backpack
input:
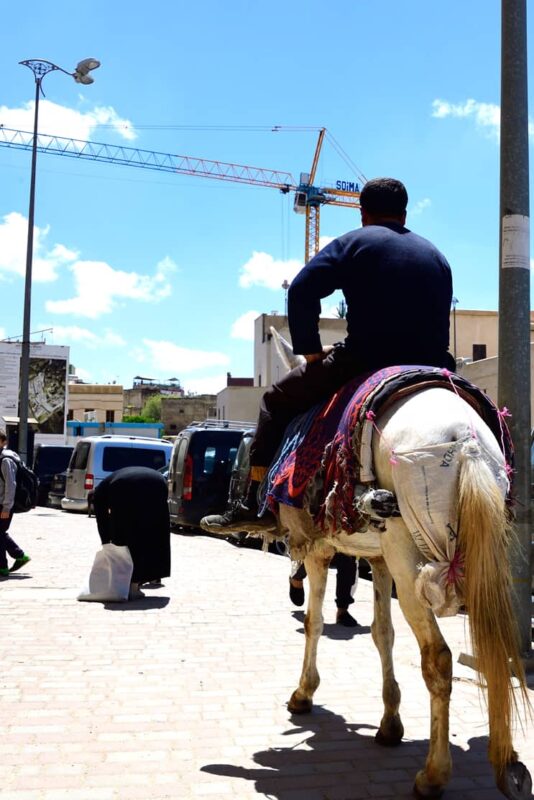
(8, 483)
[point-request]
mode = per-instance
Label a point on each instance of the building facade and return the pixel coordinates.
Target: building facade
(145, 388)
(474, 339)
(179, 412)
(91, 402)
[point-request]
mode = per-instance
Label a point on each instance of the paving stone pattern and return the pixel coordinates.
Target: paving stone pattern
(183, 694)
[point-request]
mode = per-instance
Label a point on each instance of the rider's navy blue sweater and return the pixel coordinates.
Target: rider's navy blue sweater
(398, 290)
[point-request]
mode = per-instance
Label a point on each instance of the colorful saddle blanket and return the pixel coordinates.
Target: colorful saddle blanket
(326, 452)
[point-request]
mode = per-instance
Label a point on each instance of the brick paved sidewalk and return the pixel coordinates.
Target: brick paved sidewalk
(182, 694)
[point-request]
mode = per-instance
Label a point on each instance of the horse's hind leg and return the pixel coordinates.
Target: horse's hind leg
(436, 661)
(391, 730)
(317, 568)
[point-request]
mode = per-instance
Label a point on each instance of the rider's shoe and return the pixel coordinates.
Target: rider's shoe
(239, 517)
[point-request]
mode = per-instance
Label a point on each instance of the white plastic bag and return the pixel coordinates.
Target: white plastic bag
(110, 576)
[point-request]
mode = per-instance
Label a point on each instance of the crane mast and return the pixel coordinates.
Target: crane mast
(308, 197)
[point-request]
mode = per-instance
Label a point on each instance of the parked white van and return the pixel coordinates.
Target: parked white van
(95, 457)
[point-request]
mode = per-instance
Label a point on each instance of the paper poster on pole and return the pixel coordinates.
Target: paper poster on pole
(515, 242)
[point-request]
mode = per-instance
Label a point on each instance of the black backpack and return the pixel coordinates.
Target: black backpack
(26, 488)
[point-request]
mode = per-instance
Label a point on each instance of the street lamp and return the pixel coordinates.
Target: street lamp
(40, 68)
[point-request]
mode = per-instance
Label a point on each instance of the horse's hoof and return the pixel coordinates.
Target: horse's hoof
(423, 790)
(387, 741)
(390, 732)
(435, 793)
(516, 783)
(299, 705)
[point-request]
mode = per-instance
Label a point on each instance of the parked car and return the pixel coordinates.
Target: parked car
(200, 470)
(95, 457)
(57, 489)
(48, 460)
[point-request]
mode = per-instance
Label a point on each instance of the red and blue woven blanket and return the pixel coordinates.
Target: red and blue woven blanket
(322, 444)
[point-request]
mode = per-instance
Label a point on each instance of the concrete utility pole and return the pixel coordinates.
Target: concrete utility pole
(514, 292)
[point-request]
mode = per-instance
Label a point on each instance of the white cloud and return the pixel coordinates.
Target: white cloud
(210, 385)
(243, 327)
(420, 206)
(13, 243)
(264, 270)
(99, 287)
(324, 240)
(165, 356)
(2, 333)
(486, 115)
(74, 334)
(57, 120)
(84, 375)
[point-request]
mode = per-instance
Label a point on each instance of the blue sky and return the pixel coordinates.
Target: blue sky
(142, 272)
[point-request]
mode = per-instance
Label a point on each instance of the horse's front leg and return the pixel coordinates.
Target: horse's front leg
(391, 729)
(436, 661)
(317, 568)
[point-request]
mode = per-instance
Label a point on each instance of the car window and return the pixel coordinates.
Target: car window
(80, 456)
(178, 456)
(209, 460)
(52, 459)
(213, 454)
(114, 458)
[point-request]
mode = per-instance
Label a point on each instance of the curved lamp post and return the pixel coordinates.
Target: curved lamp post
(40, 68)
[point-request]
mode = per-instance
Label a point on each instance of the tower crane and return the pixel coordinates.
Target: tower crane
(308, 197)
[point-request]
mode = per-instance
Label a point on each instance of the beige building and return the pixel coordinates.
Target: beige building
(145, 388)
(178, 412)
(473, 342)
(90, 402)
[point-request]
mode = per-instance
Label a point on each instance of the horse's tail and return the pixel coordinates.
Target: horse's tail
(484, 536)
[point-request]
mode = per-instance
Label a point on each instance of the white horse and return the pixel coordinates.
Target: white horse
(427, 418)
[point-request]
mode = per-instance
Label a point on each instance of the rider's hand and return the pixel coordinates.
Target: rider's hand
(311, 357)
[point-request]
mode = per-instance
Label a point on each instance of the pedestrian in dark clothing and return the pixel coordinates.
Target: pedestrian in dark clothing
(398, 292)
(8, 483)
(346, 581)
(131, 509)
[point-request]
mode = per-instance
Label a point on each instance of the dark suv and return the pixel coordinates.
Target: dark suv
(48, 460)
(200, 469)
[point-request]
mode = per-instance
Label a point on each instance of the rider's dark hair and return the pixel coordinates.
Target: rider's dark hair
(384, 197)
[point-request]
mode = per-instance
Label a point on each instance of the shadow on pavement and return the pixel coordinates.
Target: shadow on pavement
(332, 630)
(142, 604)
(330, 754)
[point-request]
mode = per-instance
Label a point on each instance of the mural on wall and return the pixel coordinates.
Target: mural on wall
(47, 384)
(46, 393)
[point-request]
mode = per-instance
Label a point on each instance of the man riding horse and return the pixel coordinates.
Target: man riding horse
(398, 291)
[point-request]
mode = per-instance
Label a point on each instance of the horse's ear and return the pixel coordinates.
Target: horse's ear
(285, 351)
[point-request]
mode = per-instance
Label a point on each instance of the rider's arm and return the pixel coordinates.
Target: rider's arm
(318, 279)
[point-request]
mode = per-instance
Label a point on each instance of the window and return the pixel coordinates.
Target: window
(118, 457)
(80, 456)
(479, 352)
(110, 416)
(70, 414)
(213, 456)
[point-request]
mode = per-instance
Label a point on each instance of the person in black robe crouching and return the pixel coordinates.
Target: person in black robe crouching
(131, 509)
